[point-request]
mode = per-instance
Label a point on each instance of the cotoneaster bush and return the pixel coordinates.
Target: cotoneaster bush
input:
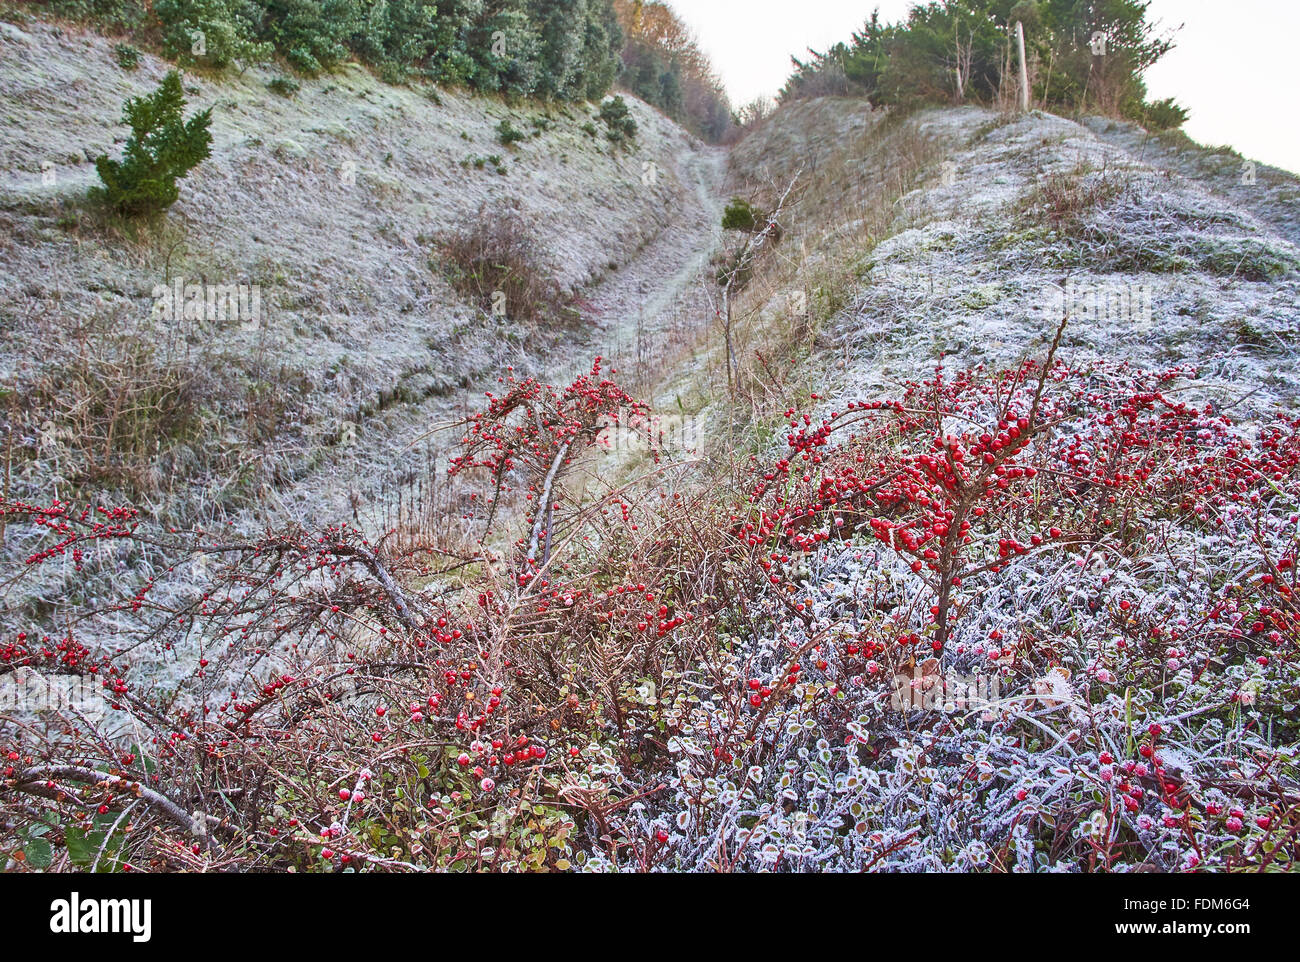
(1121, 563)
(777, 676)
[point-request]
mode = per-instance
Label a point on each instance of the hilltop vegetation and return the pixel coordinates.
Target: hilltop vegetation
(1083, 57)
(557, 50)
(663, 65)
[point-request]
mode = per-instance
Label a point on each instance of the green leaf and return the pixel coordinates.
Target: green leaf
(80, 848)
(84, 846)
(39, 854)
(145, 761)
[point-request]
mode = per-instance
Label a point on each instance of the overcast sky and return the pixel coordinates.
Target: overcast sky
(1234, 67)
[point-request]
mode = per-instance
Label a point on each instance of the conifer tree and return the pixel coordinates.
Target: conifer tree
(163, 147)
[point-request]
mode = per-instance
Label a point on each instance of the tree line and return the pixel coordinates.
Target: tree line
(564, 50)
(1083, 55)
(555, 49)
(664, 66)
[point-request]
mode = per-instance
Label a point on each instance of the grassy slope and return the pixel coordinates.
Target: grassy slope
(967, 261)
(358, 323)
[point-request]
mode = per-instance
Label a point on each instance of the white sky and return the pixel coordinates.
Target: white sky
(1234, 66)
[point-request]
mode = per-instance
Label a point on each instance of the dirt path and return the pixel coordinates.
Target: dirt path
(650, 307)
(655, 303)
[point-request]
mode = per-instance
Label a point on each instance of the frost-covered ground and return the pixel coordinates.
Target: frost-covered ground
(331, 201)
(1271, 194)
(1161, 271)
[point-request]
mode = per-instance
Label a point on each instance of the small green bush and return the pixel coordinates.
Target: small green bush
(163, 147)
(508, 134)
(740, 214)
(479, 163)
(127, 57)
(619, 121)
(1163, 115)
(284, 86)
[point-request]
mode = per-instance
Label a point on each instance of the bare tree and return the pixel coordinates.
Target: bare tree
(740, 267)
(965, 54)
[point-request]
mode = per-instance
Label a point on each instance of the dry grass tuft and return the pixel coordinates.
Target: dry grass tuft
(496, 262)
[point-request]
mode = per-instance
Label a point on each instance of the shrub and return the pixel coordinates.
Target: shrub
(163, 148)
(309, 34)
(1163, 115)
(127, 57)
(1066, 198)
(508, 134)
(479, 163)
(215, 33)
(116, 15)
(741, 215)
(124, 411)
(395, 35)
(505, 53)
(284, 86)
(497, 253)
(617, 118)
(774, 665)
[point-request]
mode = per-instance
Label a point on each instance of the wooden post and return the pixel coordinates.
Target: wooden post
(1024, 68)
